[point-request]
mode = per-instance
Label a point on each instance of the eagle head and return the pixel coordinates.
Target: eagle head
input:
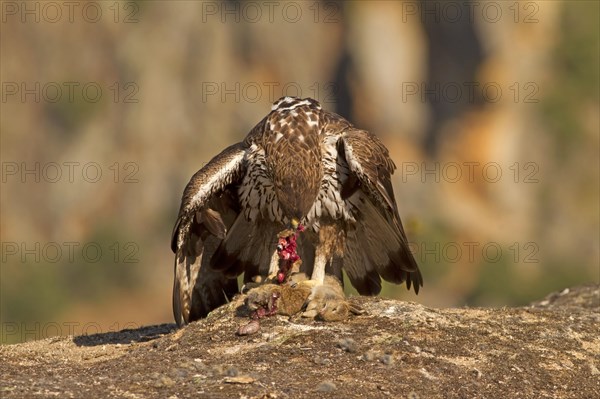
(296, 195)
(292, 147)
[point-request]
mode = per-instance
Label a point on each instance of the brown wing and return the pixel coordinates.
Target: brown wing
(379, 233)
(208, 208)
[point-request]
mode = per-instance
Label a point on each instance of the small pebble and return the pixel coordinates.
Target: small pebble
(217, 369)
(369, 356)
(241, 379)
(171, 347)
(387, 359)
(326, 386)
(165, 381)
(321, 361)
(476, 373)
(180, 373)
(426, 374)
(347, 344)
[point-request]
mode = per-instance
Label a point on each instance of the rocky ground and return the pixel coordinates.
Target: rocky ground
(550, 349)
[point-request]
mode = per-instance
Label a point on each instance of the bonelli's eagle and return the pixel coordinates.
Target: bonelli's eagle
(300, 164)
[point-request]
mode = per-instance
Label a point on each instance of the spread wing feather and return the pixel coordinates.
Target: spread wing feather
(208, 209)
(247, 248)
(380, 234)
(361, 271)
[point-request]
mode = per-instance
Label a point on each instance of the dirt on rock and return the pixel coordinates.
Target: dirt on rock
(550, 349)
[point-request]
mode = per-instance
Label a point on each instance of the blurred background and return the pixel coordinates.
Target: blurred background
(489, 109)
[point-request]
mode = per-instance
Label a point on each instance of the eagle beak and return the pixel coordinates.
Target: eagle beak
(295, 222)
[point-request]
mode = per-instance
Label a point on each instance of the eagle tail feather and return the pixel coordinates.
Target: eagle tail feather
(358, 267)
(197, 289)
(385, 245)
